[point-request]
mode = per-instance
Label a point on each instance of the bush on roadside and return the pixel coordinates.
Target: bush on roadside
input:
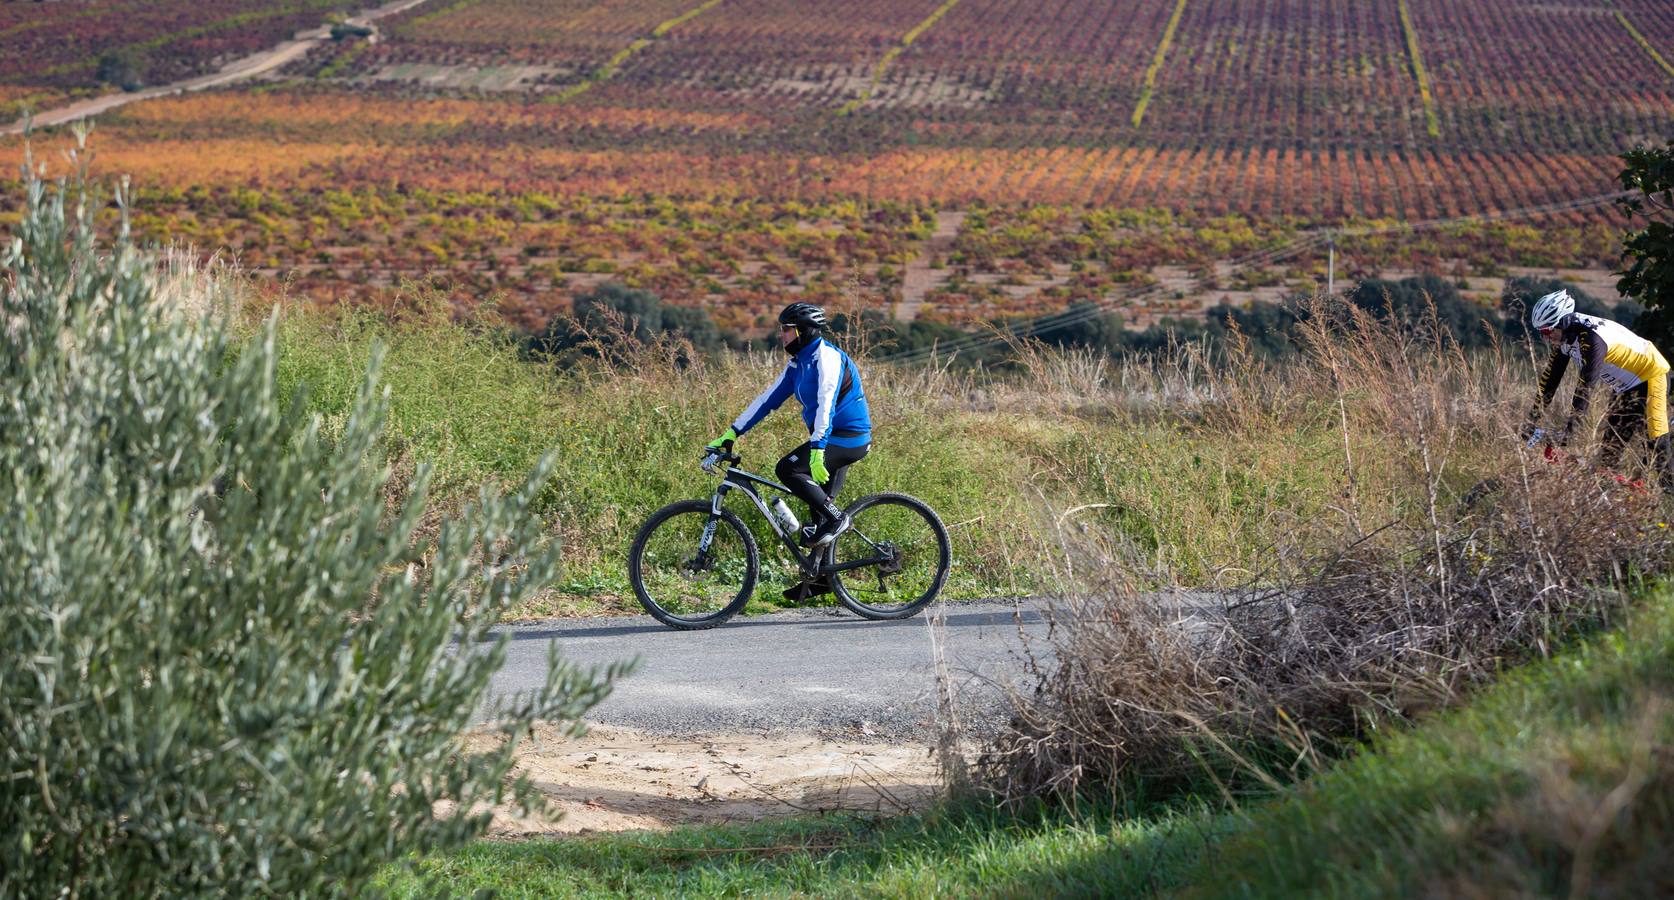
(1450, 552)
(1521, 293)
(613, 320)
(225, 667)
(122, 69)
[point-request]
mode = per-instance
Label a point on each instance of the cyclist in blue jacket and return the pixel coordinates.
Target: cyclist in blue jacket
(826, 382)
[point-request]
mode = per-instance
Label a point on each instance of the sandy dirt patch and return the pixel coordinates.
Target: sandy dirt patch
(617, 779)
(486, 78)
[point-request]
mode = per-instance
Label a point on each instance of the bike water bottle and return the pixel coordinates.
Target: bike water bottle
(785, 516)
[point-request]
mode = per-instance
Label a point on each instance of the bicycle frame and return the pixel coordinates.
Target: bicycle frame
(737, 479)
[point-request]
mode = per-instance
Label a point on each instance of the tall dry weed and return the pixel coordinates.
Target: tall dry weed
(1452, 551)
(197, 286)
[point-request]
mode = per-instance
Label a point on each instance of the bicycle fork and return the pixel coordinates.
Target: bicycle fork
(709, 526)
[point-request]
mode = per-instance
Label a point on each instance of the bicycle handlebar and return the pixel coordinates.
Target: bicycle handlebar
(719, 455)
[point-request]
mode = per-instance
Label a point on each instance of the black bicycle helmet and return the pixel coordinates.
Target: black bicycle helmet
(803, 315)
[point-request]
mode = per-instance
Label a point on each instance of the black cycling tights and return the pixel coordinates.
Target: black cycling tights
(1624, 423)
(793, 471)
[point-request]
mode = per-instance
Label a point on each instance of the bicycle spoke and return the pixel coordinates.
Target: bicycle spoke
(686, 578)
(904, 558)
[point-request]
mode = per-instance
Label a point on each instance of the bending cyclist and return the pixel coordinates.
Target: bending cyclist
(1612, 356)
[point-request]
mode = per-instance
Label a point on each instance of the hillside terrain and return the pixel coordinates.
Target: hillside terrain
(1435, 657)
(962, 160)
(61, 49)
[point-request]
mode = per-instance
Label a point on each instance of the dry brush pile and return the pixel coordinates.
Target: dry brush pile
(1452, 551)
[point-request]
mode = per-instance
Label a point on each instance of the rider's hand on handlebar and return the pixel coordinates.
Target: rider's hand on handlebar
(717, 459)
(724, 442)
(1534, 437)
(717, 452)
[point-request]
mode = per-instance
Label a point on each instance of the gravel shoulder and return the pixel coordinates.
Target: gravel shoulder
(619, 779)
(784, 714)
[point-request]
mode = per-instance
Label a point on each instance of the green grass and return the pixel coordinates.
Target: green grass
(1007, 462)
(1149, 87)
(895, 51)
(1203, 486)
(1498, 793)
(1644, 43)
(971, 851)
(1480, 797)
(1432, 126)
(615, 63)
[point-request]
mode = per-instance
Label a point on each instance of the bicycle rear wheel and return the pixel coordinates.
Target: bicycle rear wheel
(684, 581)
(909, 551)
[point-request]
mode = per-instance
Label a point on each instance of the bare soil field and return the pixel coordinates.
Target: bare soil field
(618, 779)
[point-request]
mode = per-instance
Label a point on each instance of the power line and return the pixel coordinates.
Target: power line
(1508, 215)
(1097, 308)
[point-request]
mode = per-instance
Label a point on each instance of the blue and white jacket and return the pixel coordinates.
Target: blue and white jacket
(833, 405)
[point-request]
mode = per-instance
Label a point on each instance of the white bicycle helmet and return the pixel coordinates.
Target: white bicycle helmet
(1552, 310)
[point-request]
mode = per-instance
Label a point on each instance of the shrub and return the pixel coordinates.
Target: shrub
(122, 69)
(225, 667)
(1521, 293)
(1649, 250)
(1450, 552)
(614, 316)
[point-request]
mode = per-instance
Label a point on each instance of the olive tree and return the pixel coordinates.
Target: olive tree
(227, 665)
(1649, 251)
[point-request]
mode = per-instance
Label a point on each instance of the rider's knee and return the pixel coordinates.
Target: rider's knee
(786, 469)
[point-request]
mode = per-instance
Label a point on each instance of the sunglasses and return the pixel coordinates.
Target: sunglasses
(787, 327)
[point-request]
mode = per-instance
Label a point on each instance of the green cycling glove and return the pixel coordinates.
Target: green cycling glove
(816, 466)
(724, 441)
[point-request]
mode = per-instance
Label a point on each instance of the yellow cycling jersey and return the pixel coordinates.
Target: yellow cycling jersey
(1610, 354)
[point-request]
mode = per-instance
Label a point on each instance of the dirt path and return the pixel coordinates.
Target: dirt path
(237, 70)
(619, 779)
(775, 715)
(919, 278)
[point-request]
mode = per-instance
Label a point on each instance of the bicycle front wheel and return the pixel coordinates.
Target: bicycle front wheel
(903, 552)
(691, 568)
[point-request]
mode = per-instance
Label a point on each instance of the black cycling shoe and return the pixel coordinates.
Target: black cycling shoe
(806, 535)
(830, 529)
(808, 588)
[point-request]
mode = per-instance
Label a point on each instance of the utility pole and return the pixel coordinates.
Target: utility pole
(1331, 264)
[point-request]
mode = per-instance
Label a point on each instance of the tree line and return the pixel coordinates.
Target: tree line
(1272, 330)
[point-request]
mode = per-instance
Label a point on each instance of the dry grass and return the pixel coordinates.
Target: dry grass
(185, 280)
(1391, 599)
(1585, 827)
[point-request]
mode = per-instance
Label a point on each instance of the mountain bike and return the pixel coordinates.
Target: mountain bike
(1486, 495)
(694, 564)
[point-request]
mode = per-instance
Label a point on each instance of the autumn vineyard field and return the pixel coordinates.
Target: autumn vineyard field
(53, 50)
(958, 159)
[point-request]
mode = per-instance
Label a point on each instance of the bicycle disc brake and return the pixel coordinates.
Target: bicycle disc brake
(698, 564)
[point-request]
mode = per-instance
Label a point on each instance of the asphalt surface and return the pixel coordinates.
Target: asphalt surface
(824, 671)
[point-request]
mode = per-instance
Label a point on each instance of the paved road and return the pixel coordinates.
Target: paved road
(237, 70)
(820, 671)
